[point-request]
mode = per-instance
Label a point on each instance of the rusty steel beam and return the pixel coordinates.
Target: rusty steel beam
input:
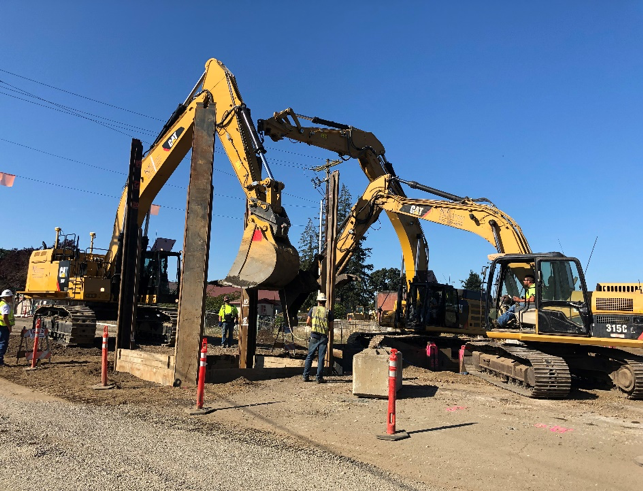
(130, 255)
(331, 271)
(196, 248)
(248, 327)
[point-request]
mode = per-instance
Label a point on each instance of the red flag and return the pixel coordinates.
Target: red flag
(154, 209)
(6, 179)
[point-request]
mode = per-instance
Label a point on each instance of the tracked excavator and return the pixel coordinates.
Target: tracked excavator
(82, 284)
(565, 331)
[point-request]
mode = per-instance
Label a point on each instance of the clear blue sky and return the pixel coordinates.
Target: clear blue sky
(537, 106)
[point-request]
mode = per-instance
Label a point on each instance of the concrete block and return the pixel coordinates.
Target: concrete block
(370, 373)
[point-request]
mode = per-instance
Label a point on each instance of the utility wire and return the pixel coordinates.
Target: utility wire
(125, 173)
(71, 109)
(128, 110)
(106, 125)
(81, 96)
(110, 195)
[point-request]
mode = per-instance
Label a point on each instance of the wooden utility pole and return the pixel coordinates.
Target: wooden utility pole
(196, 248)
(331, 236)
(131, 253)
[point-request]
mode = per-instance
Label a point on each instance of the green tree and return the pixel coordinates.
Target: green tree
(385, 279)
(308, 245)
(473, 282)
(308, 250)
(14, 265)
(360, 292)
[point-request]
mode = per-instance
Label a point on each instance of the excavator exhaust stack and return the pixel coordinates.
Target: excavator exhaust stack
(264, 261)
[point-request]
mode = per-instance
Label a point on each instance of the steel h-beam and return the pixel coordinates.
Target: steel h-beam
(331, 272)
(131, 254)
(248, 327)
(196, 248)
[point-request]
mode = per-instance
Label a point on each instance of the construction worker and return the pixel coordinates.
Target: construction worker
(228, 315)
(530, 295)
(320, 319)
(7, 321)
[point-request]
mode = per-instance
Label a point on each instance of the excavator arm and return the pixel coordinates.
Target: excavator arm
(349, 142)
(484, 220)
(266, 258)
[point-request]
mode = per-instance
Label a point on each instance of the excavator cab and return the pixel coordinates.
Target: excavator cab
(560, 304)
(431, 304)
(154, 282)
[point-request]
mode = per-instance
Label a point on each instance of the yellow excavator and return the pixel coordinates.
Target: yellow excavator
(348, 142)
(84, 283)
(565, 330)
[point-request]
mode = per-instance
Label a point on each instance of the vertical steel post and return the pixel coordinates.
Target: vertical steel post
(196, 248)
(126, 323)
(331, 238)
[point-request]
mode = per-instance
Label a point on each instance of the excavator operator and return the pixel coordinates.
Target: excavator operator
(530, 294)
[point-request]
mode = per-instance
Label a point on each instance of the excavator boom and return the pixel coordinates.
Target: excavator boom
(266, 258)
(349, 142)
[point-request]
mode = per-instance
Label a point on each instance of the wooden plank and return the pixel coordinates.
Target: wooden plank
(150, 359)
(157, 374)
(196, 248)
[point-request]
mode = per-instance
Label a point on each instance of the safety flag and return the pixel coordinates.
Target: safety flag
(6, 179)
(154, 209)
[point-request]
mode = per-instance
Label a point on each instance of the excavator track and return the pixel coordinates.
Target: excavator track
(628, 375)
(156, 325)
(522, 370)
(629, 378)
(169, 327)
(608, 367)
(69, 325)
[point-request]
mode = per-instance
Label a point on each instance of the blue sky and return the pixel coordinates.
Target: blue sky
(537, 106)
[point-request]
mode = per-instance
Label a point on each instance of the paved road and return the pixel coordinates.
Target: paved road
(53, 444)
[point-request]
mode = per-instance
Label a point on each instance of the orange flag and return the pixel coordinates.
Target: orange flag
(154, 209)
(6, 179)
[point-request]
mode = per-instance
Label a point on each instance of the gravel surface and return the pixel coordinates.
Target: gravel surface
(64, 446)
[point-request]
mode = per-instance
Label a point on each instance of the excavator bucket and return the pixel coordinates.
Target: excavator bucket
(263, 261)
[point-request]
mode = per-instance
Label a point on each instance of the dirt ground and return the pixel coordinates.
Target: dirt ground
(464, 433)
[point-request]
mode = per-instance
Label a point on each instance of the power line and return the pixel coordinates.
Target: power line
(81, 96)
(108, 195)
(73, 110)
(106, 125)
(126, 110)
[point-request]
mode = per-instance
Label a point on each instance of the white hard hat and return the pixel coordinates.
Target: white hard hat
(321, 297)
(6, 293)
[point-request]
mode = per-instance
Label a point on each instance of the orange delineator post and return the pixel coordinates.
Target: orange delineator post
(200, 392)
(104, 360)
(34, 358)
(461, 352)
(432, 353)
(392, 386)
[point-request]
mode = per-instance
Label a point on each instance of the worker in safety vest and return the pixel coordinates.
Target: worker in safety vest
(228, 314)
(530, 295)
(7, 321)
(320, 319)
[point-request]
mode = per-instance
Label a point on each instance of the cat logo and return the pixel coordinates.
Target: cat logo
(169, 143)
(416, 210)
(62, 272)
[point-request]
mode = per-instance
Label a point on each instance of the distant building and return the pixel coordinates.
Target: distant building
(268, 302)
